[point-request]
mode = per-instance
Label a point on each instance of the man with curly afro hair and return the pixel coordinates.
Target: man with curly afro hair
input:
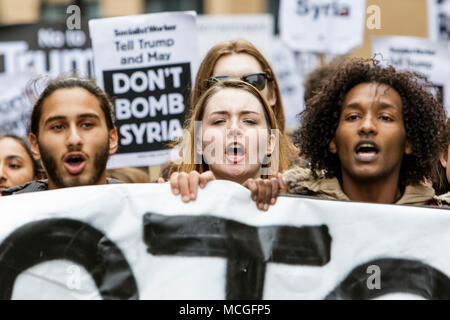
(371, 134)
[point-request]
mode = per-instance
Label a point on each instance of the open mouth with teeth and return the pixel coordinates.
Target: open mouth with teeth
(74, 164)
(366, 151)
(235, 152)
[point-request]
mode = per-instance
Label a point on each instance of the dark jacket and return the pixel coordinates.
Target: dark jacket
(39, 185)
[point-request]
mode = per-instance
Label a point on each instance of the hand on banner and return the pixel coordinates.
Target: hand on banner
(161, 180)
(265, 191)
(187, 184)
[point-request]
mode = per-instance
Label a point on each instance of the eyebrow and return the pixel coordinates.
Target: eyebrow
(242, 112)
(13, 156)
(382, 105)
(81, 116)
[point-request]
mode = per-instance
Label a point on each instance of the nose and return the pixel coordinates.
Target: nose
(74, 138)
(234, 128)
(368, 125)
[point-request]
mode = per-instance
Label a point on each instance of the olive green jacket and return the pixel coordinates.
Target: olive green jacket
(301, 181)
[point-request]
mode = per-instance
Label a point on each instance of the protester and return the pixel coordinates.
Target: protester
(17, 165)
(371, 134)
(238, 134)
(241, 59)
(72, 131)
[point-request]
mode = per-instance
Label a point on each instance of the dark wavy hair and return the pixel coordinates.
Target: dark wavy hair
(439, 178)
(423, 116)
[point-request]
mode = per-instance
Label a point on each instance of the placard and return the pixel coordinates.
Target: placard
(146, 63)
(328, 26)
(256, 28)
(419, 55)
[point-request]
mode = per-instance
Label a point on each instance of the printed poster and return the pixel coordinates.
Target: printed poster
(328, 26)
(419, 55)
(146, 63)
(290, 81)
(30, 55)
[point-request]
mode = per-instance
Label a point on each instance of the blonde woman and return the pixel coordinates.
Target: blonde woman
(240, 59)
(232, 135)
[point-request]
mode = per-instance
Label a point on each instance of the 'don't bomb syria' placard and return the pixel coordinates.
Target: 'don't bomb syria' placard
(146, 64)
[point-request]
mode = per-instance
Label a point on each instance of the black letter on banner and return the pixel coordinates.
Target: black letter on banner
(73, 240)
(397, 275)
(247, 248)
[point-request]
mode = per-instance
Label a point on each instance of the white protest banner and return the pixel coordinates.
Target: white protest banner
(419, 55)
(290, 81)
(256, 28)
(15, 106)
(439, 20)
(330, 26)
(146, 63)
(139, 241)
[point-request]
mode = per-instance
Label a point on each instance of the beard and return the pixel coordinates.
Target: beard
(51, 166)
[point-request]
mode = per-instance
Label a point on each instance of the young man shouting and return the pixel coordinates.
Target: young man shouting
(72, 131)
(371, 134)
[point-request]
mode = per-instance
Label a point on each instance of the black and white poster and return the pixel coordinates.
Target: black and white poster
(328, 26)
(31, 54)
(146, 63)
(45, 48)
(420, 55)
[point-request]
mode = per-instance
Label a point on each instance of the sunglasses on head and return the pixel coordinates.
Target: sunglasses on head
(258, 80)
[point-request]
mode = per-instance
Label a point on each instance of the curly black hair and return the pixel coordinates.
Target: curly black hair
(439, 177)
(424, 117)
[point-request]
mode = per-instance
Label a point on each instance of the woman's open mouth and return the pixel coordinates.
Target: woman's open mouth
(235, 152)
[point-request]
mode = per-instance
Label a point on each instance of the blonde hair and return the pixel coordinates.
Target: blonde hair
(206, 69)
(187, 146)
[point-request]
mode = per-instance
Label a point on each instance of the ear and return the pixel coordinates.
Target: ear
(408, 147)
(272, 97)
(332, 146)
(34, 146)
(443, 159)
(271, 143)
(113, 141)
